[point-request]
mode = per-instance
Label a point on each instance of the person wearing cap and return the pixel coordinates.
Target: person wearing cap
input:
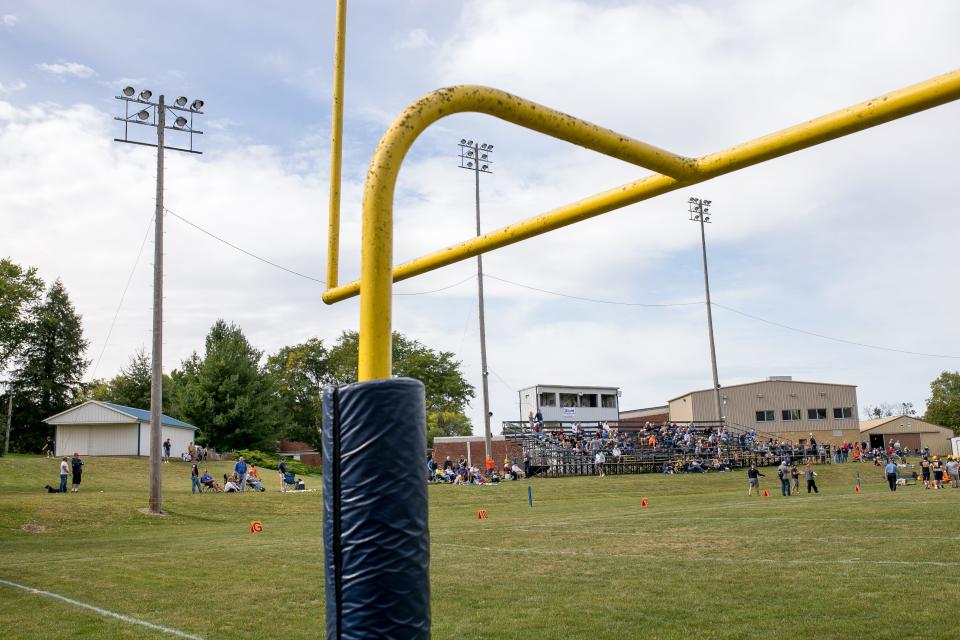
(783, 472)
(76, 469)
(891, 471)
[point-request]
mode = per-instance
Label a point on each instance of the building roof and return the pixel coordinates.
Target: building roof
(137, 415)
(867, 425)
(569, 386)
(768, 381)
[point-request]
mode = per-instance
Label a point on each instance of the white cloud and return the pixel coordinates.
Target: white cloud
(74, 69)
(415, 39)
(6, 89)
(9, 20)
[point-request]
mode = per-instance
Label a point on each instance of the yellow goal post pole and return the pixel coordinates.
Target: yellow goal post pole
(673, 172)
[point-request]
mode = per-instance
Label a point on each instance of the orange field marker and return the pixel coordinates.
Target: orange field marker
(482, 514)
(256, 526)
(644, 503)
(856, 488)
(766, 494)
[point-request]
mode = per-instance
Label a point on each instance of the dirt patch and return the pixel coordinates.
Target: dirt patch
(32, 527)
(146, 511)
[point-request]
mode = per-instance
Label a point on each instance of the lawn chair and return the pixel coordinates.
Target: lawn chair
(289, 482)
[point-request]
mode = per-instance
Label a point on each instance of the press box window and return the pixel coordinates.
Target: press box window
(840, 413)
(569, 400)
(765, 416)
(548, 399)
(816, 414)
(608, 401)
(588, 400)
(790, 415)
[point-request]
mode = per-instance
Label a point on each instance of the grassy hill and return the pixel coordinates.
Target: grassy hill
(703, 561)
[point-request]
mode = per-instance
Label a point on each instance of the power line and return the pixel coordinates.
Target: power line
(826, 337)
(449, 286)
(123, 295)
(737, 311)
(594, 300)
(244, 251)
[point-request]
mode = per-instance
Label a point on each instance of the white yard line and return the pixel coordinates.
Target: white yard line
(102, 612)
(649, 558)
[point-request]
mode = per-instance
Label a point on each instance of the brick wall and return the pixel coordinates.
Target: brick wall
(501, 448)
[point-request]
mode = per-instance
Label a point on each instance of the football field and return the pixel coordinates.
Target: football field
(702, 560)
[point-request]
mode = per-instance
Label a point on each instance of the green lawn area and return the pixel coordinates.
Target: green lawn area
(702, 561)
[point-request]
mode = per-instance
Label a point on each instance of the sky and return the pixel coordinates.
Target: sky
(853, 240)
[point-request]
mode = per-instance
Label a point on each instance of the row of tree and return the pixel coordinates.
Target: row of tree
(237, 395)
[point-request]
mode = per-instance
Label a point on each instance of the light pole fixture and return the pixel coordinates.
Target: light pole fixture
(475, 156)
(700, 212)
(154, 114)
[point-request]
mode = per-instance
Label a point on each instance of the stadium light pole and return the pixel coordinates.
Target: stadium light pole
(700, 212)
(154, 114)
(475, 156)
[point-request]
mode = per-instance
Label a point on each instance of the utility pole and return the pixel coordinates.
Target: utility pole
(700, 212)
(476, 157)
(159, 112)
(6, 440)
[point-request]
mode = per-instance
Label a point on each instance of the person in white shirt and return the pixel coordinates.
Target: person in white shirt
(600, 458)
(64, 472)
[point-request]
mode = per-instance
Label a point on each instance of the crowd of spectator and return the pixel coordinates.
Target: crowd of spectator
(462, 472)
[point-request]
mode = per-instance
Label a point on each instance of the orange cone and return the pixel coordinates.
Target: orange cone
(766, 494)
(644, 503)
(856, 489)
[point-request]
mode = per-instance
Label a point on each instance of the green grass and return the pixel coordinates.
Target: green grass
(703, 561)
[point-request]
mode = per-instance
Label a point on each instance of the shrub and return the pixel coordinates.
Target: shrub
(272, 461)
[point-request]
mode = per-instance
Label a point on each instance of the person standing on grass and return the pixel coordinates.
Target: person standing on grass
(795, 476)
(49, 447)
(783, 472)
(64, 472)
(282, 468)
(195, 479)
(753, 479)
(166, 450)
(600, 459)
(810, 475)
(891, 471)
(241, 470)
(953, 470)
(76, 467)
(937, 473)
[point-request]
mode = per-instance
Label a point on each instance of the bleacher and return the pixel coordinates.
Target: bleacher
(738, 448)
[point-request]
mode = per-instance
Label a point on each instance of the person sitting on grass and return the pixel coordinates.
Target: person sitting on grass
(230, 484)
(207, 480)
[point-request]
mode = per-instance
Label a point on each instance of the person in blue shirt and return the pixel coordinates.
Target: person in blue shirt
(891, 471)
(241, 469)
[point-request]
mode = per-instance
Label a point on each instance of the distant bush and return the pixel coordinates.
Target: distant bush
(272, 461)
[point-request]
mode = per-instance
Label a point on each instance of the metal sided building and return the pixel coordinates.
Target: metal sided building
(563, 403)
(97, 428)
(912, 433)
(780, 406)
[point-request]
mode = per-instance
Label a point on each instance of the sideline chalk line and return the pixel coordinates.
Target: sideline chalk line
(102, 612)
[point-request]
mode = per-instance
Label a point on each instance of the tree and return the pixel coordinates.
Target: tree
(447, 392)
(297, 374)
(131, 387)
(888, 409)
(447, 423)
(20, 291)
(943, 406)
(225, 394)
(445, 387)
(49, 366)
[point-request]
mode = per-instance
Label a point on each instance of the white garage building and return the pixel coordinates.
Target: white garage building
(97, 428)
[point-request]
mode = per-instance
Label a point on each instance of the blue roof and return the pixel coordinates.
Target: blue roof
(144, 416)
